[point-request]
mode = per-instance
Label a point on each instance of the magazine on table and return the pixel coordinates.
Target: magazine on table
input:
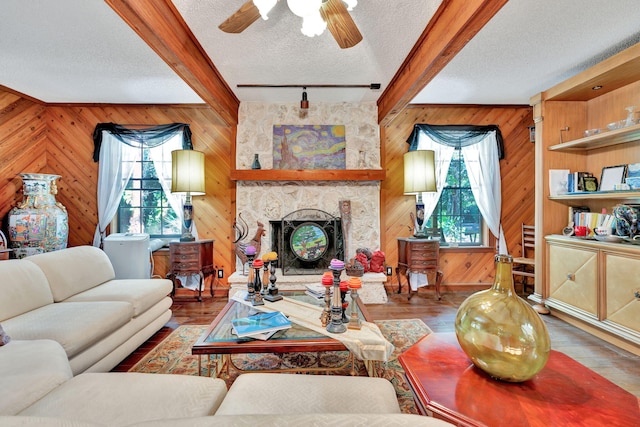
(260, 324)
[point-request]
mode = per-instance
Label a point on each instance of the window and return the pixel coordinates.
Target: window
(470, 207)
(134, 179)
(457, 213)
(144, 207)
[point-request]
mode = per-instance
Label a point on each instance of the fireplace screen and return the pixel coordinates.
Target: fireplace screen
(306, 240)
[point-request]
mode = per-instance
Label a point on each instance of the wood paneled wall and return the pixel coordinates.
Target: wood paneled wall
(58, 139)
(462, 266)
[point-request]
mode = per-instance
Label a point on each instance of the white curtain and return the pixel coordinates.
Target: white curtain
(117, 161)
(116, 167)
(483, 168)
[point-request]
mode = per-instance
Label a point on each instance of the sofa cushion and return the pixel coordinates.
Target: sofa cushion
(125, 398)
(141, 293)
(23, 288)
(75, 325)
(28, 371)
(43, 422)
(296, 420)
(305, 394)
(73, 270)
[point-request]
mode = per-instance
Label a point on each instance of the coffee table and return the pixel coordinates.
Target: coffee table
(564, 393)
(217, 343)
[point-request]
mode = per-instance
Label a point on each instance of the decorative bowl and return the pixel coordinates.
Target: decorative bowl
(611, 238)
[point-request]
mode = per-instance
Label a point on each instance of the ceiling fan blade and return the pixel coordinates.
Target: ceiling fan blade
(340, 23)
(239, 21)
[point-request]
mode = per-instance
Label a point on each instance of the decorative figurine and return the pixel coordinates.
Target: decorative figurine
(242, 231)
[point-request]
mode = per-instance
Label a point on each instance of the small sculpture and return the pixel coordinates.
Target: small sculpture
(242, 230)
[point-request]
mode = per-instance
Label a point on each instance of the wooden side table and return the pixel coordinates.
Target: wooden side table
(564, 393)
(191, 258)
(419, 256)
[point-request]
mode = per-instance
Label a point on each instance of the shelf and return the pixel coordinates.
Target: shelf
(308, 175)
(604, 139)
(599, 195)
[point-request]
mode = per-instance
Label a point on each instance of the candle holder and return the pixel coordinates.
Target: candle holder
(250, 252)
(327, 282)
(265, 276)
(336, 326)
(257, 283)
(272, 290)
(344, 287)
(354, 284)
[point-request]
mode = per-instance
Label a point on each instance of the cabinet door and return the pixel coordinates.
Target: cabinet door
(573, 277)
(623, 307)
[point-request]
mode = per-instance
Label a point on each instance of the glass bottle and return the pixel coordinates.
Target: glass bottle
(500, 332)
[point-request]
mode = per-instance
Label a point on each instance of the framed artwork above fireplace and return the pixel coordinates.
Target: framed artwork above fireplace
(304, 147)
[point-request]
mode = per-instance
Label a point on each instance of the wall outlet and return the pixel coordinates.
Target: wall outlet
(389, 271)
(220, 273)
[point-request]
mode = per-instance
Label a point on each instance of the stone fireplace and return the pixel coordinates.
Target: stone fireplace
(269, 201)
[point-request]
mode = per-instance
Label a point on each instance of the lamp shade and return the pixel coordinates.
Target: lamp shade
(419, 172)
(187, 172)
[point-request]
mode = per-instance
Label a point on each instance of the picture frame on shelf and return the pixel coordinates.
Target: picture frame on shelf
(590, 183)
(612, 175)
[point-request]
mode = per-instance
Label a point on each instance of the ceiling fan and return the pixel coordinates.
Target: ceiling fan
(333, 14)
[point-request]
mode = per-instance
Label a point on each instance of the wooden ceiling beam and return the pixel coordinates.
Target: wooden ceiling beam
(162, 27)
(452, 26)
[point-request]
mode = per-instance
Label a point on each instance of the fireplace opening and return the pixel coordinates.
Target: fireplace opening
(306, 241)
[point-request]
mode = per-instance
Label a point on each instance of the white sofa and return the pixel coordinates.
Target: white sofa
(70, 296)
(38, 389)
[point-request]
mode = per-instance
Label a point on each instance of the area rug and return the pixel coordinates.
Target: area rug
(173, 356)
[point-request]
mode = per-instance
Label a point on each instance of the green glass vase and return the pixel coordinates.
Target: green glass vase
(500, 332)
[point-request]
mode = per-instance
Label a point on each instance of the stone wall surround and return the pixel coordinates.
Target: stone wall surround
(265, 201)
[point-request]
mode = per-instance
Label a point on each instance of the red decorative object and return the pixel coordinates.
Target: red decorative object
(377, 262)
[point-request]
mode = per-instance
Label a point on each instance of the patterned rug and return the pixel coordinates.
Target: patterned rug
(173, 356)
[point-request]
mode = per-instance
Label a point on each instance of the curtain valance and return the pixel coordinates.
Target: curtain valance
(455, 135)
(148, 136)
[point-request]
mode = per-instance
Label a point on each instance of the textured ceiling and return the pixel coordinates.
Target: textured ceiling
(81, 51)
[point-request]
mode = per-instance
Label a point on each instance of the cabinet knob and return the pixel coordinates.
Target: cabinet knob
(637, 294)
(571, 276)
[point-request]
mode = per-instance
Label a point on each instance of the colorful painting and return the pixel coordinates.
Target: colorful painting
(309, 147)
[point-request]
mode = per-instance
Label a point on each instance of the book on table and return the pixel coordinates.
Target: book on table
(260, 325)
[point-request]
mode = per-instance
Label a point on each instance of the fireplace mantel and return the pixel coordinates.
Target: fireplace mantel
(308, 175)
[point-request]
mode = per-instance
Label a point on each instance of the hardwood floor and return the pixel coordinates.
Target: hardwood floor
(613, 363)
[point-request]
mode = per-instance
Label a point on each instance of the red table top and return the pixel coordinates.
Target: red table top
(564, 393)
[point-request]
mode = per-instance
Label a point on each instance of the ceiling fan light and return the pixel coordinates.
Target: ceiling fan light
(351, 4)
(313, 25)
(304, 8)
(264, 7)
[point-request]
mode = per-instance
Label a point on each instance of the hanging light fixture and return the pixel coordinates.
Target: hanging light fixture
(304, 104)
(265, 6)
(309, 11)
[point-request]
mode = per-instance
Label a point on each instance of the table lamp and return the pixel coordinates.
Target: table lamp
(419, 177)
(187, 176)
